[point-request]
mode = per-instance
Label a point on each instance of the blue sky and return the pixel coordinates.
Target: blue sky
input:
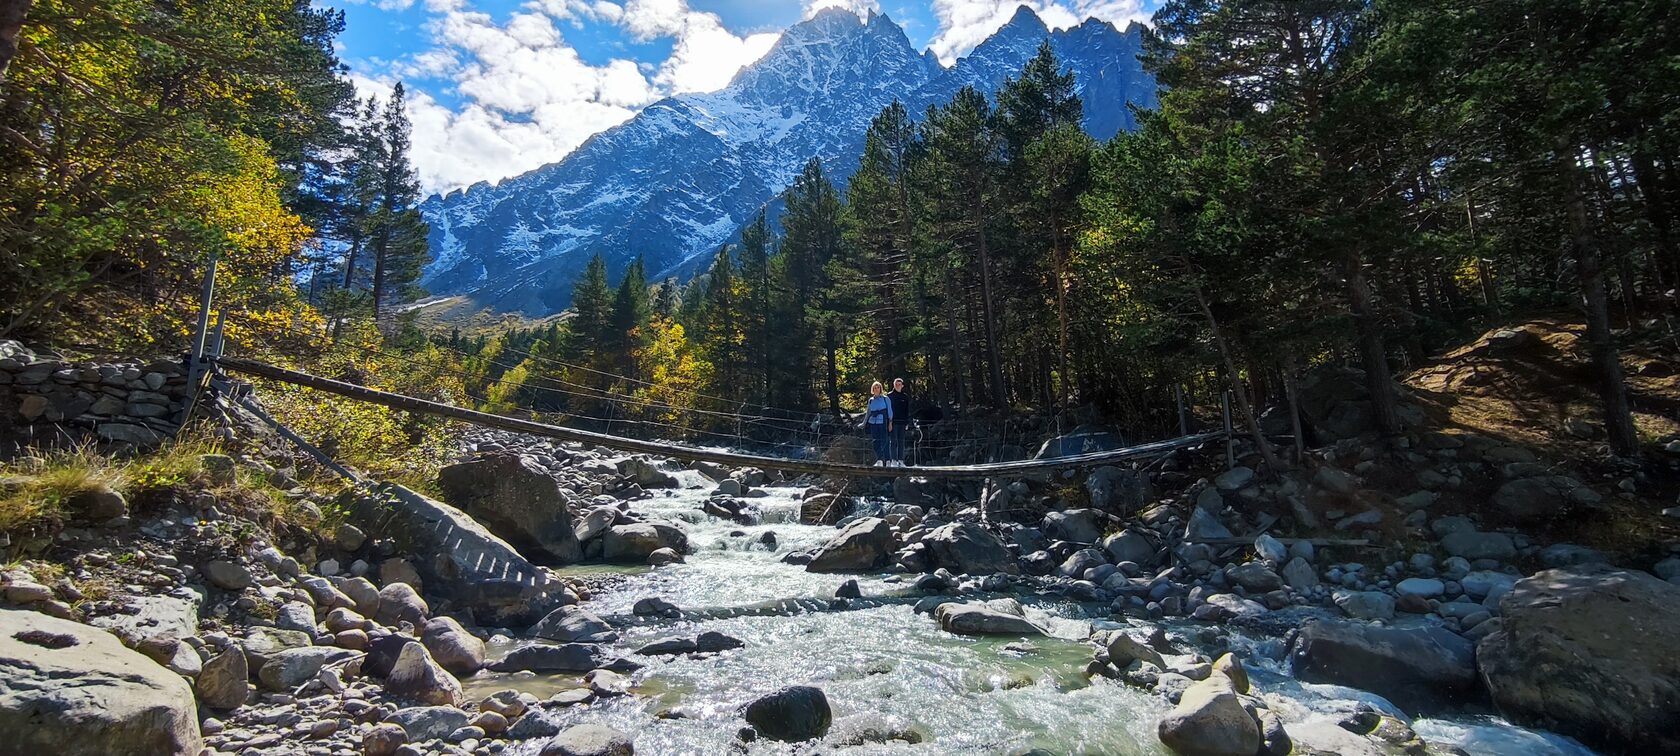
(499, 87)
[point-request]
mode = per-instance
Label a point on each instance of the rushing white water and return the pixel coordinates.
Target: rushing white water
(960, 695)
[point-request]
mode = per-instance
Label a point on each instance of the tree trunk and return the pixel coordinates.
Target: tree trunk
(1294, 406)
(1065, 377)
(1273, 465)
(12, 13)
(1618, 418)
(1372, 352)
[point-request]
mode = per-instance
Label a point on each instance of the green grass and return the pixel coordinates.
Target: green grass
(39, 488)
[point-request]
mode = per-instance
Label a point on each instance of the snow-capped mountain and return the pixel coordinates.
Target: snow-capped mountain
(680, 178)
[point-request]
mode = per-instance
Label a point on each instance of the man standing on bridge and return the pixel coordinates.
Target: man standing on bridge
(901, 426)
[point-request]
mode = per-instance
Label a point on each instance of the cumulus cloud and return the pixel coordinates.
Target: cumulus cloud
(860, 7)
(964, 24)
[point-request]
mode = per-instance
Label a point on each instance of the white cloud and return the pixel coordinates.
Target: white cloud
(964, 24)
(860, 7)
(384, 5)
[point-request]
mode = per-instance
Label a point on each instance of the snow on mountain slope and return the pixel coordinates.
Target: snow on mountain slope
(678, 180)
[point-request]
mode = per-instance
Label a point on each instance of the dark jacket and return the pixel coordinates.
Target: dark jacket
(900, 405)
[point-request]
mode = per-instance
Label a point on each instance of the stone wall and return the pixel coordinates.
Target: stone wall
(47, 399)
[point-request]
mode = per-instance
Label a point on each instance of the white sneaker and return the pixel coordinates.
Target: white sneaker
(877, 463)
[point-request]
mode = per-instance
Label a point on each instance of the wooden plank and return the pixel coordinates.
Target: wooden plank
(668, 449)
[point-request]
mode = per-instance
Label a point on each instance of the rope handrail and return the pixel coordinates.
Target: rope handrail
(817, 467)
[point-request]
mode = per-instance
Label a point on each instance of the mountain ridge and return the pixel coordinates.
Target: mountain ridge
(681, 177)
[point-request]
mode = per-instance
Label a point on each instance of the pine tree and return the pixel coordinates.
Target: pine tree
(757, 299)
(631, 310)
(592, 307)
(398, 233)
(720, 323)
(880, 228)
(811, 237)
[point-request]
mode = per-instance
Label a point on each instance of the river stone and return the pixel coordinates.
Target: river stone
(1123, 649)
(292, 667)
(1423, 668)
(793, 714)
(1210, 720)
(325, 593)
(644, 474)
(416, 676)
(589, 740)
(564, 657)
(1300, 575)
(1113, 489)
(73, 690)
(1254, 577)
(634, 543)
(1480, 584)
(227, 575)
(864, 544)
(1129, 546)
(384, 740)
(1590, 651)
(574, 624)
(595, 522)
(1366, 605)
(224, 683)
(516, 500)
(1529, 500)
(983, 619)
(1074, 525)
(143, 617)
(1270, 549)
(361, 591)
(1205, 526)
(452, 646)
(968, 548)
(428, 722)
(1472, 544)
(1234, 479)
(1421, 587)
(399, 602)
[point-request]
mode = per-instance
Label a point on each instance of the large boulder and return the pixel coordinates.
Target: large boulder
(864, 544)
(1542, 498)
(73, 690)
(459, 560)
(984, 619)
(1417, 668)
(565, 657)
(633, 543)
(644, 474)
(968, 548)
(574, 624)
(1075, 525)
(452, 646)
(592, 739)
(1210, 720)
(1590, 651)
(516, 500)
(417, 677)
(1130, 546)
(793, 714)
(224, 683)
(295, 666)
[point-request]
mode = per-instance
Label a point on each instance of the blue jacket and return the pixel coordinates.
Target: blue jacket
(880, 410)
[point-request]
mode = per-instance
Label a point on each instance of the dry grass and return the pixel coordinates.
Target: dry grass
(38, 489)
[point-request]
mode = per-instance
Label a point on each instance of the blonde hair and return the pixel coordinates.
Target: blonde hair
(875, 387)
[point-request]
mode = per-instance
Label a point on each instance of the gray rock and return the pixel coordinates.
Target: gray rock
(1210, 720)
(1569, 555)
(143, 617)
(574, 624)
(1300, 575)
(1254, 577)
(361, 592)
(227, 575)
(1366, 605)
(982, 619)
(644, 474)
(595, 523)
(968, 548)
(1234, 479)
(73, 690)
(292, 667)
(224, 682)
(452, 646)
(1129, 546)
(1270, 549)
(399, 602)
(1113, 489)
(1542, 498)
(1421, 587)
(428, 722)
(634, 543)
(415, 676)
(565, 657)
(1480, 584)
(1418, 668)
(516, 500)
(1075, 525)
(864, 544)
(1471, 544)
(1590, 651)
(1205, 526)
(383, 740)
(793, 714)
(590, 740)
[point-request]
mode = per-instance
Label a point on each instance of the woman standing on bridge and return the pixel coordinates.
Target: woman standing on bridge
(879, 423)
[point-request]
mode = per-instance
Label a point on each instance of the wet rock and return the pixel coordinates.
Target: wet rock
(983, 619)
(574, 624)
(1254, 577)
(423, 723)
(1123, 649)
(634, 543)
(864, 544)
(653, 606)
(517, 501)
(1590, 651)
(70, 689)
(968, 548)
(1300, 575)
(399, 602)
(565, 657)
(1129, 546)
(1210, 720)
(1418, 668)
(224, 683)
(866, 729)
(416, 676)
(1366, 605)
(643, 473)
(590, 740)
(848, 590)
(793, 714)
(452, 646)
(662, 557)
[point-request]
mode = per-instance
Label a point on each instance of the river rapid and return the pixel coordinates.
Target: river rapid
(886, 668)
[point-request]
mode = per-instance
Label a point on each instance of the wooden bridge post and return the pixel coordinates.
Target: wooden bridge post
(1230, 438)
